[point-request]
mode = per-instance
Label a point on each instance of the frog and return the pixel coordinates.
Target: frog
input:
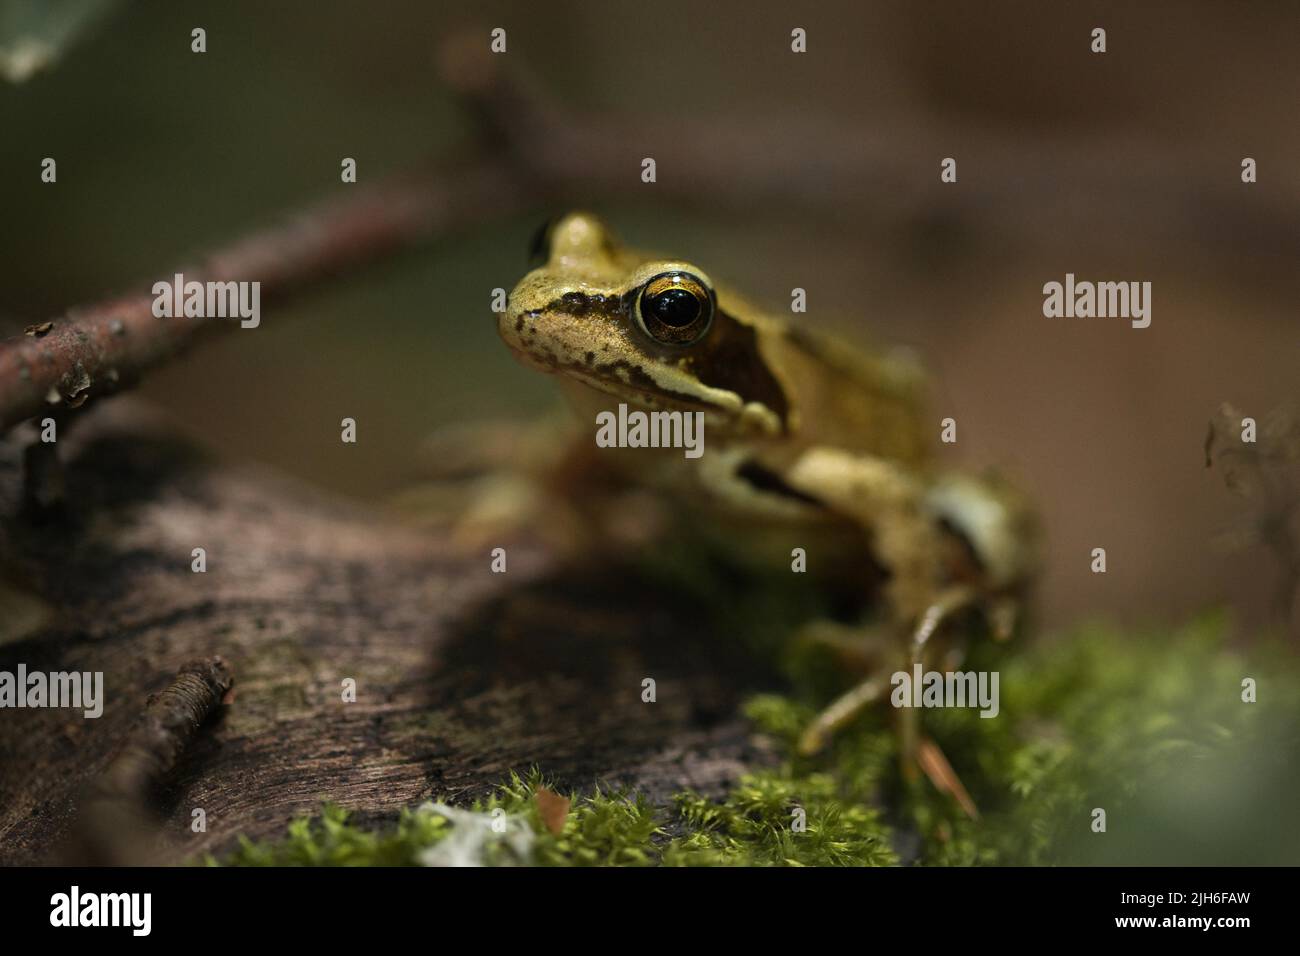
(801, 430)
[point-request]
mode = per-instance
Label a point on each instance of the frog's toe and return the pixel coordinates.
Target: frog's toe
(813, 741)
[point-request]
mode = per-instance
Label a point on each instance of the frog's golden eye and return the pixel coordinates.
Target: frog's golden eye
(675, 308)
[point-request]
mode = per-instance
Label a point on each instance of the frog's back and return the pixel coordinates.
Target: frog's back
(852, 398)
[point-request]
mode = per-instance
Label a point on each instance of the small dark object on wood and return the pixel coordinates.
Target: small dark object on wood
(116, 813)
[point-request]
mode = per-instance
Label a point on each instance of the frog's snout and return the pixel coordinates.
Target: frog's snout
(517, 325)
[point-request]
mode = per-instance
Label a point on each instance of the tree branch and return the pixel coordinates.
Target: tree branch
(107, 346)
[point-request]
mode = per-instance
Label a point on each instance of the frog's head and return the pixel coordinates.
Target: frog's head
(655, 333)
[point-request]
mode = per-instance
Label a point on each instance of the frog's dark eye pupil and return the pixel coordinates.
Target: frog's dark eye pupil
(676, 308)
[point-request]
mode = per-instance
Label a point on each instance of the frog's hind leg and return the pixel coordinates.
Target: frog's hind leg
(890, 504)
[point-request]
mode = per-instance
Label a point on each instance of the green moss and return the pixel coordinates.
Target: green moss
(602, 829)
(755, 827)
(330, 840)
(1149, 726)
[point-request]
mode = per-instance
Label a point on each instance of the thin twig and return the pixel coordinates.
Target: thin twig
(105, 347)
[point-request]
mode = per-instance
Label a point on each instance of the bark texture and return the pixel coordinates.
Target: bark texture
(462, 675)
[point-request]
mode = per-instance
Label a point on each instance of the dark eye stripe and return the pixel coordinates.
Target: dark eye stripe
(579, 303)
(731, 361)
(728, 359)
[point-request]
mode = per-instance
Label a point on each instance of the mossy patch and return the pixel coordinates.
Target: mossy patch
(1149, 726)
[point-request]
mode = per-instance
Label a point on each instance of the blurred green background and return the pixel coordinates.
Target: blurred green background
(164, 154)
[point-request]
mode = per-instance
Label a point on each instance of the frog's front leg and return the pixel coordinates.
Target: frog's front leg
(890, 504)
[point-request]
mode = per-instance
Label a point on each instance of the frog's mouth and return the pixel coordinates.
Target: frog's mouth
(641, 390)
(528, 358)
(590, 395)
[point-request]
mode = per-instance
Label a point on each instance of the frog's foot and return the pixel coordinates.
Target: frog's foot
(875, 649)
(917, 751)
(840, 712)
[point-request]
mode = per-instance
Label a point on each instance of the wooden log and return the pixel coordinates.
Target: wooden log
(462, 675)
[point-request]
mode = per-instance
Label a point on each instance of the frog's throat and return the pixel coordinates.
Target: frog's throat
(723, 409)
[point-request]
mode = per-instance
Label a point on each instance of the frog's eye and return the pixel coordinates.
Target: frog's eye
(675, 308)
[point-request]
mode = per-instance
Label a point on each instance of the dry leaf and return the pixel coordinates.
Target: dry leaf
(553, 808)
